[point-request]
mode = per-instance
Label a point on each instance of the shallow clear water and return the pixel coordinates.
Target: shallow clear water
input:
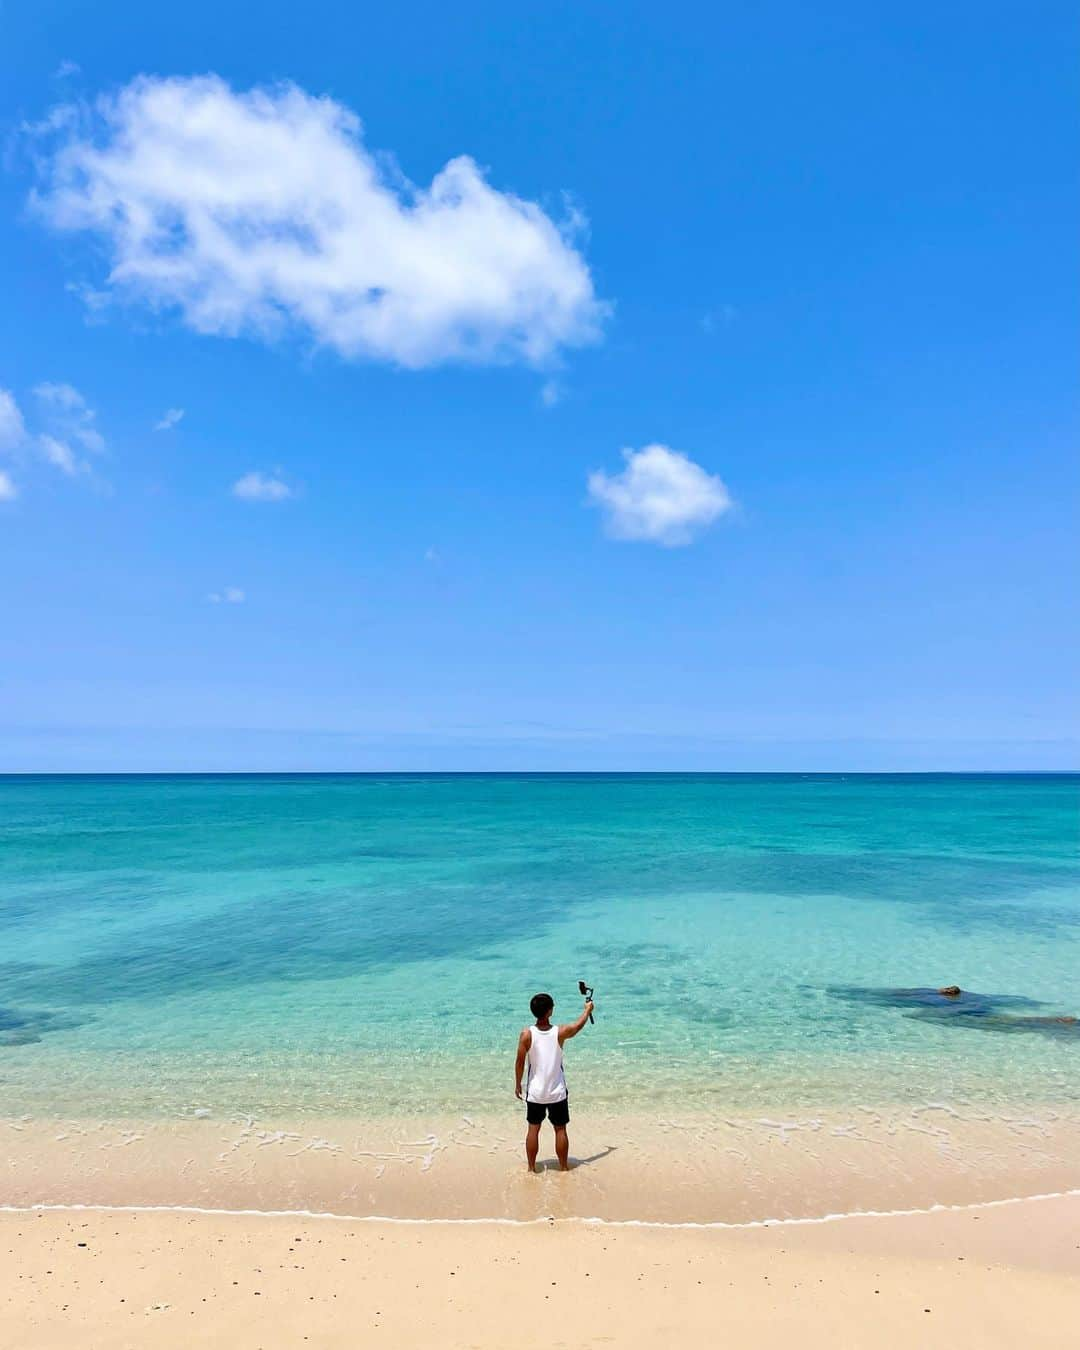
(366, 945)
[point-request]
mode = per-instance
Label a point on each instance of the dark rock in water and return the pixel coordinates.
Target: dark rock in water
(958, 1007)
(965, 1002)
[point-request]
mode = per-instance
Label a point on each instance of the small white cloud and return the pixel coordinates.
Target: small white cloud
(259, 212)
(12, 427)
(169, 419)
(432, 555)
(68, 418)
(717, 318)
(661, 496)
(8, 490)
(66, 69)
(261, 487)
(60, 455)
(551, 393)
(71, 416)
(64, 396)
(95, 301)
(228, 595)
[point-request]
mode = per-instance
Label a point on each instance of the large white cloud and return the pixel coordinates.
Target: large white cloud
(252, 212)
(661, 496)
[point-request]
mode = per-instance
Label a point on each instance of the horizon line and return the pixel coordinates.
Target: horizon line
(536, 773)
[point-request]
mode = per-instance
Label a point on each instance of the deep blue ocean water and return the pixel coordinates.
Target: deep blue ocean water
(366, 945)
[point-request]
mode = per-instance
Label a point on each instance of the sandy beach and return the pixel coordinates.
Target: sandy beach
(992, 1276)
(430, 1232)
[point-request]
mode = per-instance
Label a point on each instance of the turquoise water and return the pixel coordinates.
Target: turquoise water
(366, 945)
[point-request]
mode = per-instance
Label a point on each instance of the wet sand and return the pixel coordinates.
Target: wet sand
(987, 1277)
(668, 1169)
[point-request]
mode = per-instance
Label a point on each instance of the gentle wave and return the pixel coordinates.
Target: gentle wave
(547, 1219)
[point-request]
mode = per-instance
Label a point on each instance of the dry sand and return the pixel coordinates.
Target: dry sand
(997, 1276)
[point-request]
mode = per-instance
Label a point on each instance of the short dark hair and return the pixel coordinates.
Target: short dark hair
(541, 1004)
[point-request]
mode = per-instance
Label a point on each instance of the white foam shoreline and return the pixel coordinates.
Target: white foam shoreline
(720, 1224)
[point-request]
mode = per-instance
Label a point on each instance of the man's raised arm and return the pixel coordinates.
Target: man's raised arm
(565, 1033)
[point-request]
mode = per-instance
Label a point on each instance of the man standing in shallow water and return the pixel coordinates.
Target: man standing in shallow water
(541, 1047)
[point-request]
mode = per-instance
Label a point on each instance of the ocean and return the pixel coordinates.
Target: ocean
(365, 946)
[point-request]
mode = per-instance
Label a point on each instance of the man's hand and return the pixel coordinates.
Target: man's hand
(517, 1091)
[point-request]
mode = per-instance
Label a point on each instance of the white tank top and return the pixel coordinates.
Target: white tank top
(546, 1081)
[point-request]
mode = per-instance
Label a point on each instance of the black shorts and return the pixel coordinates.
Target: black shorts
(557, 1112)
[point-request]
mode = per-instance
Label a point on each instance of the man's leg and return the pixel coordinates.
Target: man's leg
(562, 1148)
(532, 1145)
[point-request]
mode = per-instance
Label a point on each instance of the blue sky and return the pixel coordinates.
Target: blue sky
(822, 257)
